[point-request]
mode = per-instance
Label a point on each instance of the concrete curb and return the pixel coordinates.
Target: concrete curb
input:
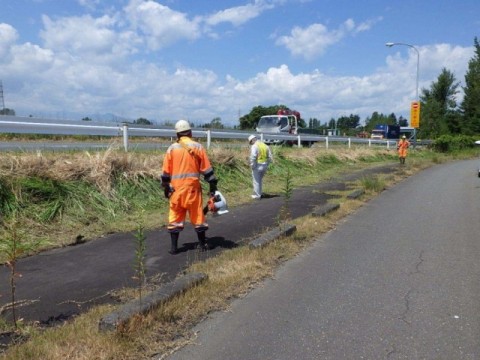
(271, 235)
(112, 321)
(325, 209)
(356, 194)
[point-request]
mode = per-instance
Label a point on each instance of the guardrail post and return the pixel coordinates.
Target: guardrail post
(209, 139)
(326, 142)
(125, 136)
(261, 137)
(369, 142)
(349, 143)
(388, 144)
(299, 142)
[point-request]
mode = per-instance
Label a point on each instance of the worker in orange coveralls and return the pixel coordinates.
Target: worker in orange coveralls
(184, 163)
(402, 147)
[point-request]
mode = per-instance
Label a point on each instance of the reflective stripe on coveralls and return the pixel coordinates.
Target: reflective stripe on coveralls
(184, 162)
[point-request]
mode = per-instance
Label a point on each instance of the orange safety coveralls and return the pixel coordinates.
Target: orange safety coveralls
(184, 162)
(402, 147)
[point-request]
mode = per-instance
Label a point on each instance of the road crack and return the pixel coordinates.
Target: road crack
(406, 299)
(419, 263)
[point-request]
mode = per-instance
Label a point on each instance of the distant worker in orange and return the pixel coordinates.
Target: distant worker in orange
(184, 163)
(402, 147)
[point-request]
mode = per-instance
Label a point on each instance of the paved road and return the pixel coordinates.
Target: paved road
(400, 279)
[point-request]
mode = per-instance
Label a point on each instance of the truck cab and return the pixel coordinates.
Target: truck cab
(377, 134)
(277, 124)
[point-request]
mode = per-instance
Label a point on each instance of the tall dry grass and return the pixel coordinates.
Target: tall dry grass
(98, 168)
(102, 167)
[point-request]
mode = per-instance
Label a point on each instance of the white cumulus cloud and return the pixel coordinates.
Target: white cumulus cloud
(313, 40)
(239, 15)
(161, 25)
(8, 36)
(87, 37)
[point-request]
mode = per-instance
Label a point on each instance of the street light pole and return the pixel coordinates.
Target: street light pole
(390, 44)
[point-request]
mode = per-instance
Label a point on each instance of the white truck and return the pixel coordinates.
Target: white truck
(284, 122)
(277, 124)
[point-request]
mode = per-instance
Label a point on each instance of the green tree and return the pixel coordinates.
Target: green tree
(439, 107)
(470, 107)
(402, 121)
(216, 123)
(332, 123)
(378, 119)
(347, 124)
(250, 120)
(392, 119)
(168, 123)
(313, 123)
(142, 121)
(7, 111)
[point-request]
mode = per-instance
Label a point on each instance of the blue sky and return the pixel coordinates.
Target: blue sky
(201, 59)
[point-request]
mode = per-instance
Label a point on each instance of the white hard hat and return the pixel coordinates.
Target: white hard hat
(251, 137)
(182, 125)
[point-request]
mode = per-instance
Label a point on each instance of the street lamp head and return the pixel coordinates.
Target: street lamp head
(390, 44)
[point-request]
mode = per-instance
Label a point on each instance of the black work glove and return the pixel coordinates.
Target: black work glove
(166, 191)
(213, 186)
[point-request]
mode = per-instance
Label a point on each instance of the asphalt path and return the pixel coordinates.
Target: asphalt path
(399, 279)
(58, 284)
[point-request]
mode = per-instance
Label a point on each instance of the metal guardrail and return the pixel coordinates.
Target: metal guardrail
(30, 125)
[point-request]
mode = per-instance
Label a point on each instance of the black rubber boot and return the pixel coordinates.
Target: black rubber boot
(202, 240)
(174, 243)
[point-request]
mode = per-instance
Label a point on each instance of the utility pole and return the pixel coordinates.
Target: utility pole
(2, 100)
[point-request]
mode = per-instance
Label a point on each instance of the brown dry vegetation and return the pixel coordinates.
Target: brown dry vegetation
(98, 168)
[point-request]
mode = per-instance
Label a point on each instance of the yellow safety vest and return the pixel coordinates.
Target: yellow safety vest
(262, 152)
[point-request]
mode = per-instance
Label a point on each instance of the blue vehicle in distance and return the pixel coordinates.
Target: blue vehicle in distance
(385, 132)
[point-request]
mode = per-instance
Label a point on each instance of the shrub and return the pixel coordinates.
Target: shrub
(449, 143)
